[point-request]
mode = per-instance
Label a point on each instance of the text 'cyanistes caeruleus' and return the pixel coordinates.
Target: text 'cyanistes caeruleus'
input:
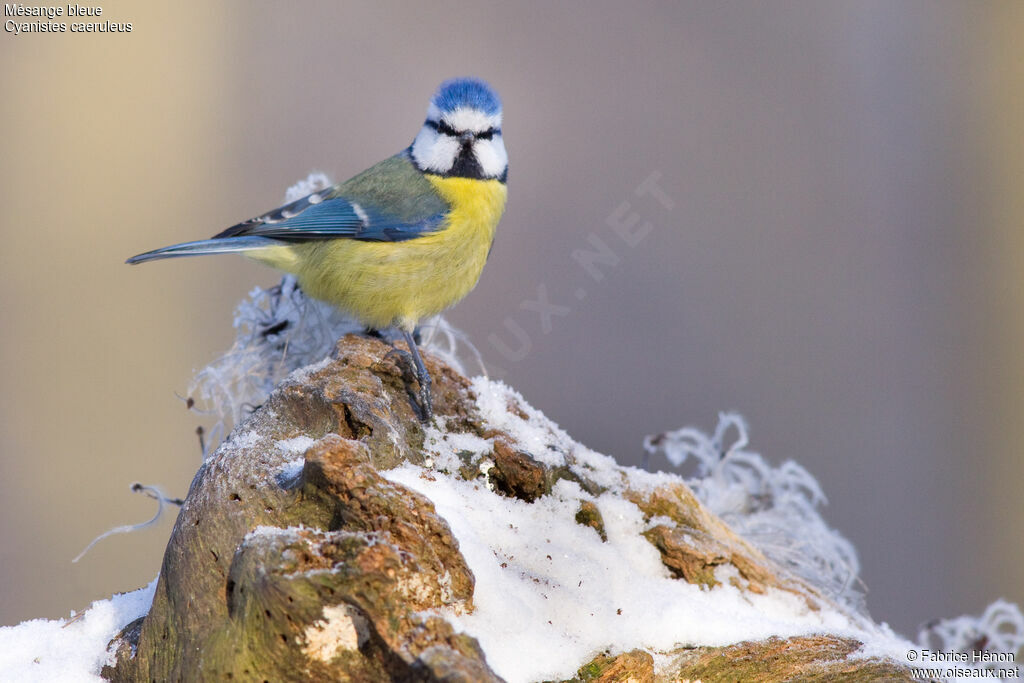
(404, 239)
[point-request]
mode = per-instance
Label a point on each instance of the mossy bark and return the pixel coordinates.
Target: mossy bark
(812, 659)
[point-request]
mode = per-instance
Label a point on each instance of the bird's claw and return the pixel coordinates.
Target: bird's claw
(411, 372)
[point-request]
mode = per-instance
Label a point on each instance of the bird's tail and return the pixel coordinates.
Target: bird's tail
(223, 245)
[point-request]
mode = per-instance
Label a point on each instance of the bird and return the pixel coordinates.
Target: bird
(400, 242)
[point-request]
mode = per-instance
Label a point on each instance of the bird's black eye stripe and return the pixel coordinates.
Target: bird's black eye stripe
(445, 129)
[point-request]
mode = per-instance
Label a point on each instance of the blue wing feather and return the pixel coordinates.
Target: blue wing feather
(334, 218)
(350, 210)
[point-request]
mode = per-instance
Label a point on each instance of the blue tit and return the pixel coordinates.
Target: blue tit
(403, 240)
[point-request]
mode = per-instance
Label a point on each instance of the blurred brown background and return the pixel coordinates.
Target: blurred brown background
(842, 262)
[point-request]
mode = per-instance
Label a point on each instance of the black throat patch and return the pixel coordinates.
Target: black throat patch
(466, 165)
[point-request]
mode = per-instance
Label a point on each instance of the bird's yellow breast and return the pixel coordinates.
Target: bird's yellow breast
(399, 283)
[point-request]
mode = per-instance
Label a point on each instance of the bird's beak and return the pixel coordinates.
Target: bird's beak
(466, 138)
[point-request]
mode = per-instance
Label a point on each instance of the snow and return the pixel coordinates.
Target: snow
(295, 446)
(288, 473)
(69, 650)
(534, 434)
(548, 585)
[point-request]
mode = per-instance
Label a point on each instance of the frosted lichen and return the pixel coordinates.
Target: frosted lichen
(999, 631)
(775, 508)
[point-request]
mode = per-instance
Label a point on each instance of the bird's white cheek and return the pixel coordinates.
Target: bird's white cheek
(491, 156)
(434, 152)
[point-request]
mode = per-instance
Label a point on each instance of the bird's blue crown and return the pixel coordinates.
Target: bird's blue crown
(467, 92)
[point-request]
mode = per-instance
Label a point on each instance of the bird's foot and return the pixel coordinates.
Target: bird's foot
(411, 375)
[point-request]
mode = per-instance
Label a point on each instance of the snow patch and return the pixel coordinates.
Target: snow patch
(504, 408)
(69, 650)
(549, 586)
(295, 446)
(288, 473)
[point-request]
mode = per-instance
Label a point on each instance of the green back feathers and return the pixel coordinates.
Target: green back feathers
(395, 187)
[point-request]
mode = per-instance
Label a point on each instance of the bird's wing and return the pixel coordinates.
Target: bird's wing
(389, 202)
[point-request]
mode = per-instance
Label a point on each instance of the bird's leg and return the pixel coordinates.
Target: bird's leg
(426, 409)
(411, 364)
(387, 336)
